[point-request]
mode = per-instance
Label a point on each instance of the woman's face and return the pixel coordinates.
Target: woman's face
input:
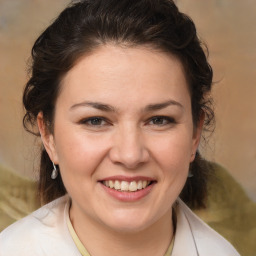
(123, 136)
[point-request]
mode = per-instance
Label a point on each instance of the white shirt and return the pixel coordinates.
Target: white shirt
(45, 232)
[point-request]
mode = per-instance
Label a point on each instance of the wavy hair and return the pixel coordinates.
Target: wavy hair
(85, 25)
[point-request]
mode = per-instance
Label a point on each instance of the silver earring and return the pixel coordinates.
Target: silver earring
(54, 172)
(190, 174)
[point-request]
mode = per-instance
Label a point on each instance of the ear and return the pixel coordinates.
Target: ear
(197, 135)
(47, 138)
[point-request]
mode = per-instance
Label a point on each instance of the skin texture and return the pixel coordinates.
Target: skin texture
(125, 140)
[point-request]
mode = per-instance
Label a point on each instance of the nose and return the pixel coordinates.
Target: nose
(129, 148)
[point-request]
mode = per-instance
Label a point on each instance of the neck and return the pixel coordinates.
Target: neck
(101, 240)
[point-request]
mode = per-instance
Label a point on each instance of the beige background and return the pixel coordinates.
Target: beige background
(227, 26)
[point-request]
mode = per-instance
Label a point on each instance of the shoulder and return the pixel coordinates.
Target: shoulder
(207, 241)
(37, 233)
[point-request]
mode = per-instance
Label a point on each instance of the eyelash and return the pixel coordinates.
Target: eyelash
(95, 118)
(166, 120)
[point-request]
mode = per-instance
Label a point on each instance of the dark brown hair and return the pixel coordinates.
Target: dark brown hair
(85, 25)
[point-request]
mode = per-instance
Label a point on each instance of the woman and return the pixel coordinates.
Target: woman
(118, 92)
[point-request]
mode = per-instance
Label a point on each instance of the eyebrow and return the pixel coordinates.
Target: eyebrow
(109, 108)
(97, 105)
(159, 106)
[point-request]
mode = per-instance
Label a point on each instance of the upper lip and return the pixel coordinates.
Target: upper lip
(127, 178)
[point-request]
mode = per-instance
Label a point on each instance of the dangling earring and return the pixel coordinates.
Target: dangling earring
(54, 172)
(190, 174)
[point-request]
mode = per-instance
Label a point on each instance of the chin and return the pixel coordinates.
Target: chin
(128, 227)
(129, 222)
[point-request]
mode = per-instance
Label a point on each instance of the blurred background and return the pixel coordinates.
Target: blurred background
(228, 28)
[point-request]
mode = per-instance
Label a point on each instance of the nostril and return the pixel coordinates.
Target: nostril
(128, 146)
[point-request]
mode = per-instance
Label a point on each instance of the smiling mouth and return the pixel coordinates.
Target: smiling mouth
(126, 186)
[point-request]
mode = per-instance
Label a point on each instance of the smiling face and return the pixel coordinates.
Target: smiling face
(123, 136)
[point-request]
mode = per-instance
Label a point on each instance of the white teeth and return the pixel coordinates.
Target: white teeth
(117, 185)
(111, 184)
(125, 185)
(140, 184)
(133, 186)
(144, 183)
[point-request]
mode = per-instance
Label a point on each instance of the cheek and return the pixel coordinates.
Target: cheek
(174, 159)
(79, 157)
(173, 156)
(174, 150)
(79, 153)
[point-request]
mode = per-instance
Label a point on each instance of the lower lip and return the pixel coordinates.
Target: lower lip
(128, 196)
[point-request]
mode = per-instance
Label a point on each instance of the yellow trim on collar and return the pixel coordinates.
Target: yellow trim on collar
(83, 250)
(75, 238)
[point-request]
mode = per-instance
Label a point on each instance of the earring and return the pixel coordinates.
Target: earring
(54, 172)
(190, 174)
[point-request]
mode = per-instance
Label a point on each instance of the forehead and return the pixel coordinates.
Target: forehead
(113, 72)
